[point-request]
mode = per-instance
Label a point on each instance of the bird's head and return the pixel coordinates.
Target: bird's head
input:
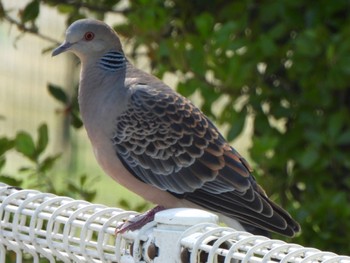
(89, 38)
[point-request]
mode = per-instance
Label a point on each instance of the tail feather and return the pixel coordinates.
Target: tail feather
(254, 221)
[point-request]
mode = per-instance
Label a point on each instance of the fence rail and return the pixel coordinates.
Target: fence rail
(66, 230)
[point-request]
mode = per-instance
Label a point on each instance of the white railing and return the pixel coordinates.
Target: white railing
(66, 230)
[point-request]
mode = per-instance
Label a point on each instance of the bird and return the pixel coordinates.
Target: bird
(158, 144)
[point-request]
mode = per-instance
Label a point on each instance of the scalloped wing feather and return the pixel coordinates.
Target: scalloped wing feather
(165, 135)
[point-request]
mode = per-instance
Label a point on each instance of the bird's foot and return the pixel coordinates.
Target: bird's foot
(138, 221)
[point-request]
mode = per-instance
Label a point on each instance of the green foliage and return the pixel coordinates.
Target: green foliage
(289, 60)
(284, 63)
(38, 168)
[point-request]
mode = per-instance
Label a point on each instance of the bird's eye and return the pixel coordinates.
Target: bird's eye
(89, 36)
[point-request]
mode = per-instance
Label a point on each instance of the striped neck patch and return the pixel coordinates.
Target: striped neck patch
(112, 61)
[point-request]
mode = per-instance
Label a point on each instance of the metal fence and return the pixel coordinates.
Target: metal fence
(61, 229)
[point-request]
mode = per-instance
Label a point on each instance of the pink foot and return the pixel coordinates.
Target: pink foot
(139, 220)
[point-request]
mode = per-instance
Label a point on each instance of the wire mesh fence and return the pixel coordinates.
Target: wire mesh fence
(60, 229)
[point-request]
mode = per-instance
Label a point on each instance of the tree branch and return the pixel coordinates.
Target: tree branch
(25, 29)
(34, 31)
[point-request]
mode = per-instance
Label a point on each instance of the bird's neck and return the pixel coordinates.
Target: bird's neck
(112, 61)
(106, 79)
(101, 89)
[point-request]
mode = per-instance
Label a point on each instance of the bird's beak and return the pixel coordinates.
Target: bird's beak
(61, 48)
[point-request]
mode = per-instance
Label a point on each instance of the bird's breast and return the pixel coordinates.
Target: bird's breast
(100, 104)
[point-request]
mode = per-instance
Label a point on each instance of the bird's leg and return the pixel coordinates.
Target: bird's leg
(139, 220)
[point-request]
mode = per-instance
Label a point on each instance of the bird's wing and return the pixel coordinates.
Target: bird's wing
(165, 141)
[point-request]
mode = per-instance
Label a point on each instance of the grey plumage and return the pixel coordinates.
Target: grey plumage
(156, 142)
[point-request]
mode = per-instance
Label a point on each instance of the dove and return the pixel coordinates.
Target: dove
(158, 144)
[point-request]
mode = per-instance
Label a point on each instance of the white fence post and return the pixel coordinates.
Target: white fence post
(171, 224)
(67, 230)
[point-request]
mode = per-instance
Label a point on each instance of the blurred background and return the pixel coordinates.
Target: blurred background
(273, 75)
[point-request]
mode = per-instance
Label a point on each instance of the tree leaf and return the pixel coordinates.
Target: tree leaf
(2, 162)
(237, 125)
(124, 204)
(83, 180)
(188, 87)
(205, 23)
(48, 162)
(267, 45)
(76, 120)
(344, 138)
(24, 144)
(31, 11)
(309, 157)
(25, 169)
(5, 145)
(43, 138)
(10, 180)
(58, 93)
(336, 121)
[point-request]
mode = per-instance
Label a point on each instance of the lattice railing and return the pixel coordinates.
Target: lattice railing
(66, 230)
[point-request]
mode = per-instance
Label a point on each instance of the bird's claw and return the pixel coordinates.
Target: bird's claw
(138, 221)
